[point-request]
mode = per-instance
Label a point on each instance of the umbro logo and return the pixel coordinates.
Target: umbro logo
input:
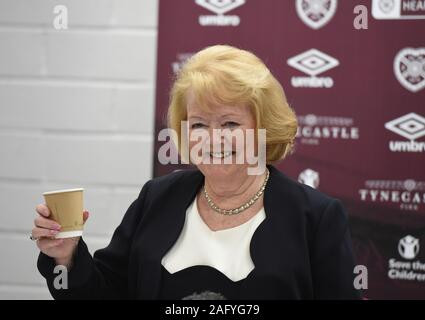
(410, 126)
(220, 8)
(313, 62)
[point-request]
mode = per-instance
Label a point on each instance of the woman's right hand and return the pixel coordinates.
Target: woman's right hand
(45, 229)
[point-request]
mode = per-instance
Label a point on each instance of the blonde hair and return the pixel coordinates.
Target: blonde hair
(226, 75)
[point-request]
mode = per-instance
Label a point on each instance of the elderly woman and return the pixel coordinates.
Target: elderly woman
(217, 232)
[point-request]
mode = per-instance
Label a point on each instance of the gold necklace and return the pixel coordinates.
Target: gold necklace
(243, 207)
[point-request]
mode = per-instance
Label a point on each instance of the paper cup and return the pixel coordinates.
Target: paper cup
(66, 207)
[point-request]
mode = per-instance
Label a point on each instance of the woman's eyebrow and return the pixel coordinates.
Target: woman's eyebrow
(195, 117)
(227, 115)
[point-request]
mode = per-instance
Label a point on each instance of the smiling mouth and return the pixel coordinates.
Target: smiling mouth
(222, 155)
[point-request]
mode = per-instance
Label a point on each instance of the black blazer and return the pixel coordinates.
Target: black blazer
(302, 250)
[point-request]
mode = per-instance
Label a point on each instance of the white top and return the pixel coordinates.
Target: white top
(225, 250)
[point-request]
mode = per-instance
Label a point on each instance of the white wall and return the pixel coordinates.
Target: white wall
(76, 110)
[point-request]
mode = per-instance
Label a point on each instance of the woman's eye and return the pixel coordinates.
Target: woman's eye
(197, 126)
(231, 124)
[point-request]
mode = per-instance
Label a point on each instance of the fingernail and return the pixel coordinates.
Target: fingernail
(57, 227)
(54, 231)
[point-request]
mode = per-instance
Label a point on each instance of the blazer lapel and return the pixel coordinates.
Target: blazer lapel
(264, 242)
(167, 222)
(271, 251)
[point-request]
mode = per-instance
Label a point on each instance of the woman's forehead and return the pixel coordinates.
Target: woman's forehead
(195, 110)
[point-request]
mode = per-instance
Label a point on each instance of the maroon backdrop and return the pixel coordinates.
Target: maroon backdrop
(359, 97)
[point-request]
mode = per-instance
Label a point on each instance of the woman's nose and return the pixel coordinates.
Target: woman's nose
(216, 134)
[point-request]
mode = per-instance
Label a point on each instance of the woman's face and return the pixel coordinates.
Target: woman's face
(222, 128)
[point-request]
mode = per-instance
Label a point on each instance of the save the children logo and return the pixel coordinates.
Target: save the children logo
(408, 268)
(316, 13)
(220, 8)
(408, 247)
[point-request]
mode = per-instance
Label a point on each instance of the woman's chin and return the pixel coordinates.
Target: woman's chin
(218, 171)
